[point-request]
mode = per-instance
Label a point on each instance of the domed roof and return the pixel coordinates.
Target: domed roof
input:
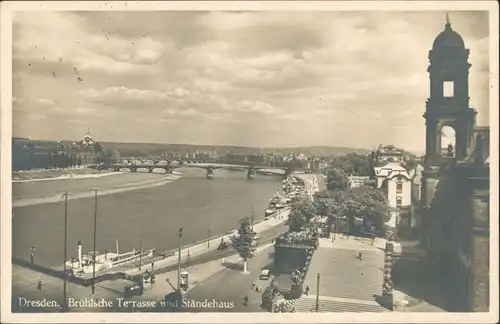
(448, 38)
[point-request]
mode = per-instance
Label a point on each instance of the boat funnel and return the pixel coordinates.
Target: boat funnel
(79, 253)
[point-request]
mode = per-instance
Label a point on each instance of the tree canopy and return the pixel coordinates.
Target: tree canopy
(242, 242)
(302, 210)
(354, 164)
(337, 179)
(340, 202)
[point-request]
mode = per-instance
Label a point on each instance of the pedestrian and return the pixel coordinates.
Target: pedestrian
(307, 290)
(360, 256)
(39, 285)
(253, 285)
(245, 300)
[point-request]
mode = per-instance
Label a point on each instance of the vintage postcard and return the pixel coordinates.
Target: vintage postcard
(250, 162)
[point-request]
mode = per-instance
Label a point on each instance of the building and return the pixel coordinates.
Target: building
(388, 153)
(86, 151)
(455, 192)
(358, 181)
(396, 183)
(30, 154)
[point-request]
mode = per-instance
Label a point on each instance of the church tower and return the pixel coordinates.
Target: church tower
(448, 103)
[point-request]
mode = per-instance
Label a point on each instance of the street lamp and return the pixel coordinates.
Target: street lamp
(317, 292)
(65, 291)
(95, 235)
(140, 254)
(179, 260)
(253, 216)
(32, 254)
(208, 234)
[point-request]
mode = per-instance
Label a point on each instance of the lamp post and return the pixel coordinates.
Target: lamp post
(65, 291)
(317, 292)
(32, 254)
(208, 234)
(95, 235)
(252, 217)
(140, 254)
(179, 261)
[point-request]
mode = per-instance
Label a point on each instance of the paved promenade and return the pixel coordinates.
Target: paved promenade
(347, 284)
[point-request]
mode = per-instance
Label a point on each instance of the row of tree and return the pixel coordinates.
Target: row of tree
(341, 205)
(353, 164)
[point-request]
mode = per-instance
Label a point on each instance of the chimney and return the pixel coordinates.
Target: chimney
(79, 253)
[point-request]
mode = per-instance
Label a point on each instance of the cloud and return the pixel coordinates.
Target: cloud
(341, 78)
(66, 40)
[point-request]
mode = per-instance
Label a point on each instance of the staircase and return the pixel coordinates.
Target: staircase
(346, 284)
(303, 305)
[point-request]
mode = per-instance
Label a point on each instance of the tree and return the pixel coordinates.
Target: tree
(242, 242)
(302, 210)
(373, 205)
(354, 164)
(337, 179)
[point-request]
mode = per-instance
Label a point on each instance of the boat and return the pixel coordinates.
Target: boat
(83, 264)
(269, 212)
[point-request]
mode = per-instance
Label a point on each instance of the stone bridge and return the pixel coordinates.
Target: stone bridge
(252, 169)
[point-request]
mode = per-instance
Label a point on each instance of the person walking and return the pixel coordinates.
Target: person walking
(307, 290)
(245, 300)
(39, 285)
(360, 256)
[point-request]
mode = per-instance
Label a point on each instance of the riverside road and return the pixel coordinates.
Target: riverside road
(150, 216)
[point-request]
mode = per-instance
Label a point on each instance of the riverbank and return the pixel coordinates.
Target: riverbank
(58, 174)
(55, 197)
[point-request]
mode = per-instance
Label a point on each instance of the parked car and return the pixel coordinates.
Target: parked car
(265, 274)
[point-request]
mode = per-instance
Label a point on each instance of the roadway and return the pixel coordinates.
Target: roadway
(231, 285)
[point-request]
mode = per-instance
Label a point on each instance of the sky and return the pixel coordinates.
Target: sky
(262, 79)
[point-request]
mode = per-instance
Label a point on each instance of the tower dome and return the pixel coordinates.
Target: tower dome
(448, 38)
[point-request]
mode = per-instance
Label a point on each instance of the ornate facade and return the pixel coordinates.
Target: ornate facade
(455, 190)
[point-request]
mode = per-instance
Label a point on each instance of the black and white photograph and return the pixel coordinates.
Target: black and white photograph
(270, 162)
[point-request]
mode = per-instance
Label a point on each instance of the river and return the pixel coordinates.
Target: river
(151, 215)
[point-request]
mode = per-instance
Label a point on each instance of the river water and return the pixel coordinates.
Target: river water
(148, 215)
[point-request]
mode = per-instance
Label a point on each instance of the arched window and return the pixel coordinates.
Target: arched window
(448, 141)
(399, 187)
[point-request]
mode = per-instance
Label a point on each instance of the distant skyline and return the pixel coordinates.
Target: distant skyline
(260, 79)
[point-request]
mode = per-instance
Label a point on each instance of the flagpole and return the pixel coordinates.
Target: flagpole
(95, 230)
(65, 293)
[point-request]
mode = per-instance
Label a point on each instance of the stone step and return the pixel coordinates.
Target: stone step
(308, 304)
